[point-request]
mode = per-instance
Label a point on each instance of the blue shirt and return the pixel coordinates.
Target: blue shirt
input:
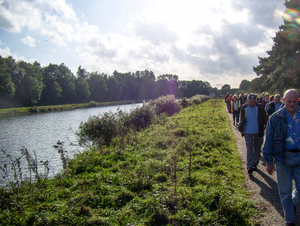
(292, 140)
(277, 106)
(251, 125)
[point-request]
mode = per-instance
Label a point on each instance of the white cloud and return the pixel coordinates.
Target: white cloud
(57, 31)
(29, 41)
(14, 15)
(55, 19)
(212, 40)
(5, 52)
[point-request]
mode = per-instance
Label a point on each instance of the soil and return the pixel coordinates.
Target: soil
(263, 187)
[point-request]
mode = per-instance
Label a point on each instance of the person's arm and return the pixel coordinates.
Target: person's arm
(268, 147)
(241, 126)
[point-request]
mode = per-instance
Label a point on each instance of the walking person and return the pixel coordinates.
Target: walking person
(266, 99)
(252, 125)
(235, 109)
(228, 101)
(282, 146)
(274, 106)
(242, 98)
(225, 100)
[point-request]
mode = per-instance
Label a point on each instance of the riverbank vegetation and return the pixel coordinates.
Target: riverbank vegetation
(64, 107)
(177, 170)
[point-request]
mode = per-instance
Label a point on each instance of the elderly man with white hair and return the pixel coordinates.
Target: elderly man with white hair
(274, 106)
(282, 148)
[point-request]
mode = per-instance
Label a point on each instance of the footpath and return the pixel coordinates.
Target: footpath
(263, 187)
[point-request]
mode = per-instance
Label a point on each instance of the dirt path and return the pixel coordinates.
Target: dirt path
(263, 187)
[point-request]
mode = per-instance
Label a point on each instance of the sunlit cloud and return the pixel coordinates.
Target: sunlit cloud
(29, 41)
(215, 41)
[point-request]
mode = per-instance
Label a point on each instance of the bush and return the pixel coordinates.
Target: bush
(140, 117)
(198, 99)
(166, 104)
(184, 102)
(102, 129)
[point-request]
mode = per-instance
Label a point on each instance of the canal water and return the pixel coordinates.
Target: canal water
(39, 132)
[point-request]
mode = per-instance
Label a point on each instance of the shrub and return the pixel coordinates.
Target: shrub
(184, 102)
(102, 129)
(140, 117)
(198, 99)
(166, 104)
(92, 104)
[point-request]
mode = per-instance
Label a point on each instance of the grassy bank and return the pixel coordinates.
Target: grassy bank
(65, 107)
(181, 170)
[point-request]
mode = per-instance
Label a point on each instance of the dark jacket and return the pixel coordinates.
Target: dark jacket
(271, 108)
(242, 99)
(262, 119)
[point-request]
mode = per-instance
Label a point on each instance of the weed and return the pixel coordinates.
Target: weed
(63, 153)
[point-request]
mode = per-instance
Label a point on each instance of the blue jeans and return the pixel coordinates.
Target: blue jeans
(253, 144)
(236, 115)
(287, 172)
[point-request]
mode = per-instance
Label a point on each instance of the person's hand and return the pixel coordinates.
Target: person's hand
(270, 169)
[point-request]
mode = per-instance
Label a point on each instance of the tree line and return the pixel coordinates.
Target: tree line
(28, 84)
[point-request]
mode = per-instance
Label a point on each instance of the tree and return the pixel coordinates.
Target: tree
(98, 86)
(245, 85)
(29, 83)
(225, 88)
(82, 73)
(7, 87)
(82, 90)
(282, 67)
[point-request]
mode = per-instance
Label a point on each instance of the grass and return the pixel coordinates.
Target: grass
(181, 170)
(65, 107)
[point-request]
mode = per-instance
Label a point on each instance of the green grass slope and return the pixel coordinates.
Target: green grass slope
(182, 170)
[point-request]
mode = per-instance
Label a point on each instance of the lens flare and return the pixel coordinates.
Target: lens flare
(290, 15)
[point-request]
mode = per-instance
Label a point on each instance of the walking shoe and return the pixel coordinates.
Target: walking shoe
(250, 171)
(290, 224)
(254, 168)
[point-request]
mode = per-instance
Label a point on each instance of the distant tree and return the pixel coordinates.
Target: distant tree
(225, 88)
(82, 90)
(66, 81)
(194, 87)
(168, 77)
(29, 84)
(98, 86)
(7, 87)
(168, 84)
(82, 73)
(147, 85)
(245, 85)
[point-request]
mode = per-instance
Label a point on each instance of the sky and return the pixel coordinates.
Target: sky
(218, 41)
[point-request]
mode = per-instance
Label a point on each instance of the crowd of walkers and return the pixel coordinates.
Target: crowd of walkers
(274, 123)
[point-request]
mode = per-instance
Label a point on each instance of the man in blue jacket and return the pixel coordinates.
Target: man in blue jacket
(282, 146)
